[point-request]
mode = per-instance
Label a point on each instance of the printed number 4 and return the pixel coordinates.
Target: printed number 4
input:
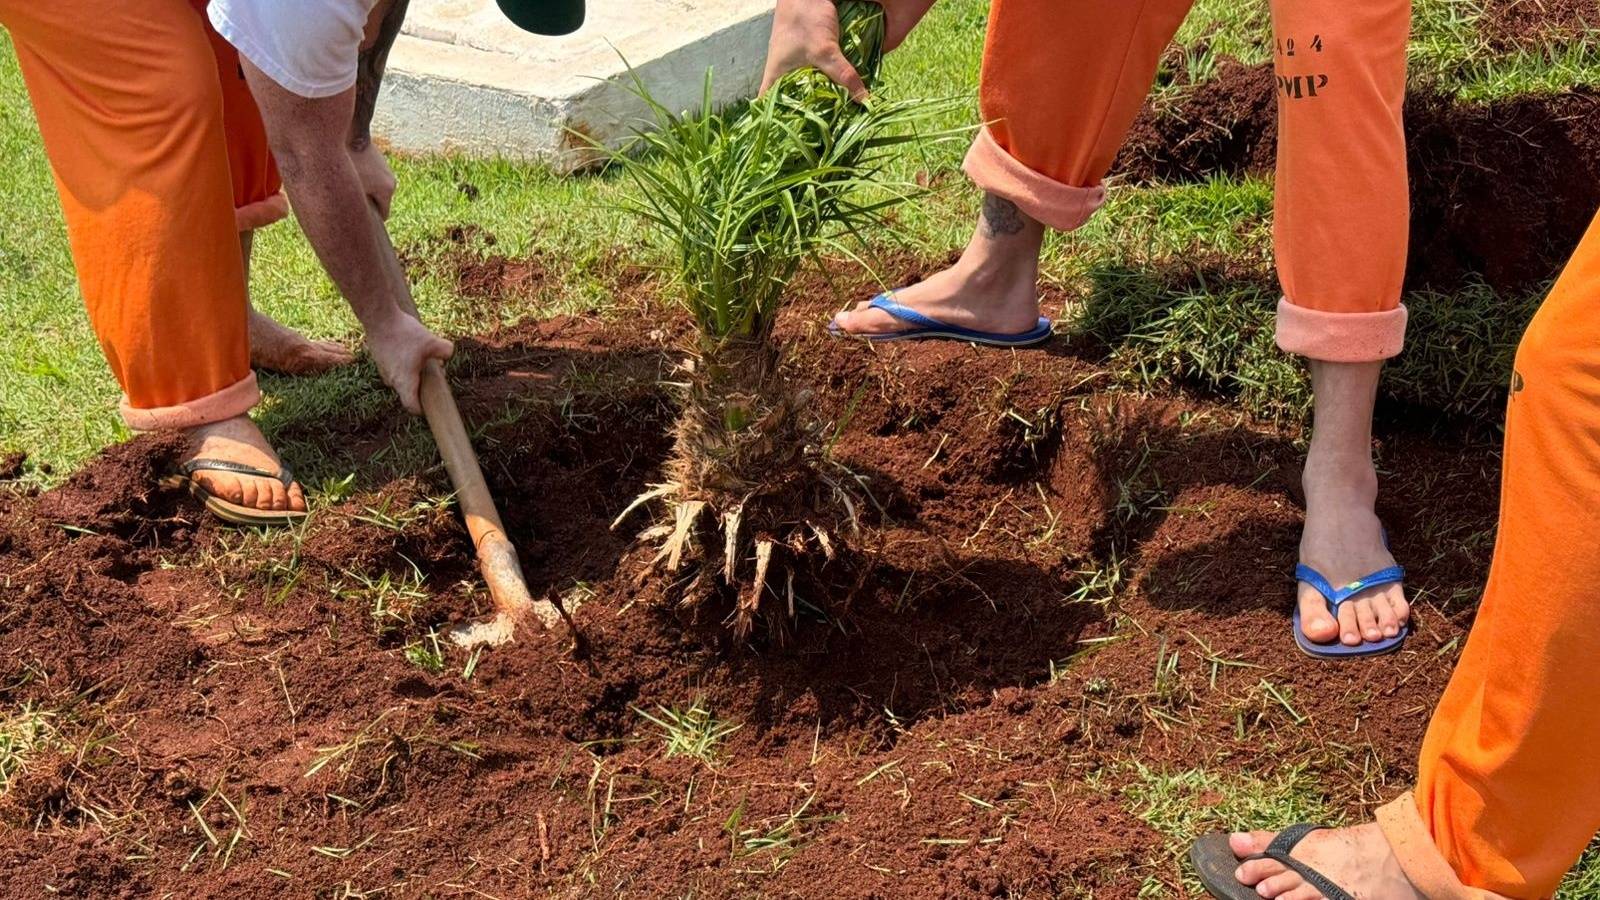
(1316, 45)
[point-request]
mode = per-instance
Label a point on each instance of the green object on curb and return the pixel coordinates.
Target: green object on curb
(548, 17)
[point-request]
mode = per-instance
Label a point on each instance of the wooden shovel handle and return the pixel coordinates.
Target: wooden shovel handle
(497, 558)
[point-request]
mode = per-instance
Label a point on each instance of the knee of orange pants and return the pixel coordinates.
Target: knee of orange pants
(1341, 204)
(1062, 82)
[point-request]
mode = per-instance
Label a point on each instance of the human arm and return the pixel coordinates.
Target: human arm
(383, 26)
(310, 140)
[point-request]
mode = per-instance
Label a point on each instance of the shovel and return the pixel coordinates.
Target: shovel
(497, 558)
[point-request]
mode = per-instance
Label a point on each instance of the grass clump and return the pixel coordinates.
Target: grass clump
(1186, 804)
(743, 200)
(693, 732)
(23, 735)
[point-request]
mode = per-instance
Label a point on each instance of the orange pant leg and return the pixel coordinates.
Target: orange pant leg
(1062, 82)
(258, 198)
(128, 105)
(1508, 787)
(1342, 206)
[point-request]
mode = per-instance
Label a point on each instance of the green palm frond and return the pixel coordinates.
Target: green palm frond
(745, 198)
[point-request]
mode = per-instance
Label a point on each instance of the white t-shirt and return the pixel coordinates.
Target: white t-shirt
(309, 47)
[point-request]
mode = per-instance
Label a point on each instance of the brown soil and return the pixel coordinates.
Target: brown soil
(950, 734)
(1535, 24)
(11, 465)
(1483, 176)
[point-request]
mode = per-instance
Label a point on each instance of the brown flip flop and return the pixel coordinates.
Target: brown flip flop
(234, 513)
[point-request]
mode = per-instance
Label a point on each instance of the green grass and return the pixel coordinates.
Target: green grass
(693, 732)
(1183, 805)
(24, 733)
(1447, 52)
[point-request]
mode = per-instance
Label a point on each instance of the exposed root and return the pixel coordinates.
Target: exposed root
(749, 490)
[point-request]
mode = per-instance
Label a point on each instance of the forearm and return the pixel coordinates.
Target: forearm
(335, 215)
(382, 29)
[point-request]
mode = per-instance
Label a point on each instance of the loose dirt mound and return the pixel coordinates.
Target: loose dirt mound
(1500, 191)
(1534, 24)
(237, 716)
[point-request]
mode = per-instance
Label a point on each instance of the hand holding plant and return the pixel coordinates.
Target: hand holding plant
(806, 33)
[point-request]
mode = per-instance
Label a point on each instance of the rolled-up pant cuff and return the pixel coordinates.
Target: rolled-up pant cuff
(261, 213)
(1414, 848)
(1060, 206)
(1341, 337)
(234, 400)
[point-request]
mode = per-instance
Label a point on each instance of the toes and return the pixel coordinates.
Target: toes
(1383, 607)
(275, 497)
(334, 354)
(863, 320)
(1282, 883)
(1401, 609)
(1257, 870)
(1315, 621)
(1303, 892)
(1349, 628)
(1367, 619)
(1249, 843)
(223, 487)
(297, 498)
(250, 493)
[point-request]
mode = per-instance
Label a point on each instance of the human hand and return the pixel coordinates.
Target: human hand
(377, 179)
(401, 346)
(806, 33)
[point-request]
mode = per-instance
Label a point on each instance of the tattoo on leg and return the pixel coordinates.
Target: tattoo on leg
(1000, 217)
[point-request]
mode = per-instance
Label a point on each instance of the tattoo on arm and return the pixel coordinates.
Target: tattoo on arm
(1000, 216)
(369, 73)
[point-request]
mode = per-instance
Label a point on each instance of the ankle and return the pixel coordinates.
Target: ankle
(998, 272)
(1341, 474)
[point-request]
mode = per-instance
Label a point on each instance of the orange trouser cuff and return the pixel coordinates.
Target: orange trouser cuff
(1341, 337)
(1424, 865)
(234, 400)
(1060, 206)
(261, 213)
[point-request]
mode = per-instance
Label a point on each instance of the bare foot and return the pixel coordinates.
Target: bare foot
(1358, 859)
(278, 348)
(994, 287)
(239, 440)
(1343, 540)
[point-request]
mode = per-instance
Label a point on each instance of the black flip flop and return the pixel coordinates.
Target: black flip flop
(234, 513)
(1213, 859)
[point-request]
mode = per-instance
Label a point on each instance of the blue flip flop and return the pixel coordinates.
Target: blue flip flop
(1336, 597)
(929, 328)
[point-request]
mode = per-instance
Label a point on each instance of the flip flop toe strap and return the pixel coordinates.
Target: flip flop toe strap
(904, 313)
(283, 474)
(1278, 851)
(1337, 595)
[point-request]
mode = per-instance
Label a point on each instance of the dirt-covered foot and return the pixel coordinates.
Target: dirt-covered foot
(278, 348)
(1343, 540)
(1359, 860)
(239, 440)
(994, 287)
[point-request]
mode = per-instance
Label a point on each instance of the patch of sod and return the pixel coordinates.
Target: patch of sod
(1176, 282)
(1183, 805)
(1452, 50)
